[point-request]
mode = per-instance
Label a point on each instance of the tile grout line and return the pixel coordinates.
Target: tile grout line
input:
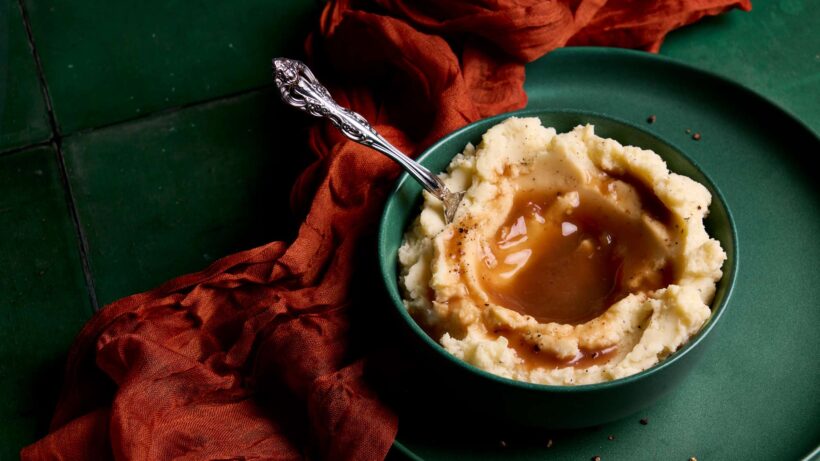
(56, 142)
(35, 145)
(174, 109)
(159, 113)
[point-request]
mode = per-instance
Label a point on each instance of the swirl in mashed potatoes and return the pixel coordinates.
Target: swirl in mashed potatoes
(571, 260)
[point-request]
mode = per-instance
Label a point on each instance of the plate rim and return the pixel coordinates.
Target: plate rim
(660, 58)
(570, 52)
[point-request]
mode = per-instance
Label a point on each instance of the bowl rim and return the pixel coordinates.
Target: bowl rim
(389, 273)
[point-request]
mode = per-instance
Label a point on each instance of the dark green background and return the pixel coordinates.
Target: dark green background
(158, 157)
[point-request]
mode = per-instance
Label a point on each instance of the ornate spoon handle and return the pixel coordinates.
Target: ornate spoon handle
(299, 88)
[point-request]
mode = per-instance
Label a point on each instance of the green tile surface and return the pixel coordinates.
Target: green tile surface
(23, 116)
(110, 61)
(774, 50)
(43, 300)
(163, 191)
(170, 194)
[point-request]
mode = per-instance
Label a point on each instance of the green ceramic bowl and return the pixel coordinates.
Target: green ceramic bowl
(455, 387)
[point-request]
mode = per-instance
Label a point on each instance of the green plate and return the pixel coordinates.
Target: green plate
(756, 393)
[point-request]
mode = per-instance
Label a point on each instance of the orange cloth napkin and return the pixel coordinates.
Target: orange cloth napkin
(253, 358)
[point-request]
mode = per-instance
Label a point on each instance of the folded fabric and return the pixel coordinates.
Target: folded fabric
(253, 358)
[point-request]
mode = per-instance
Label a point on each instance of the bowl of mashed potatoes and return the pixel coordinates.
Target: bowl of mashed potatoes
(586, 267)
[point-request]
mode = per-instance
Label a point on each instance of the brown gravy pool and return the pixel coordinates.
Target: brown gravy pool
(568, 265)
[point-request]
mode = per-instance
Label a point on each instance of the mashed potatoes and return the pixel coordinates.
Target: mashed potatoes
(571, 260)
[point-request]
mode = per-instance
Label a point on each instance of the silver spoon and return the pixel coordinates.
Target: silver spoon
(299, 88)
